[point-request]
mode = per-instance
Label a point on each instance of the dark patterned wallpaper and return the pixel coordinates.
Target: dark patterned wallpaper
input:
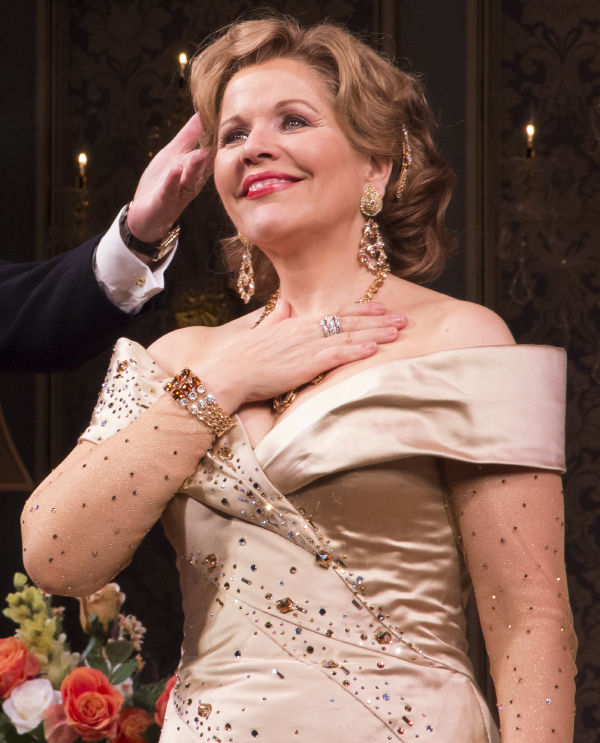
(549, 249)
(122, 98)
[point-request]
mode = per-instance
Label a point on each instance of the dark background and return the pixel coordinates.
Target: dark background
(102, 76)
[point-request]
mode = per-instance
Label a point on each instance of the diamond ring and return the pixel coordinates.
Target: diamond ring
(330, 325)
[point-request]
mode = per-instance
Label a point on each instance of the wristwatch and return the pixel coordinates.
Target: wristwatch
(155, 250)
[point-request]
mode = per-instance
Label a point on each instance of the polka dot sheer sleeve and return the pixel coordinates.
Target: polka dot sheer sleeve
(511, 526)
(84, 522)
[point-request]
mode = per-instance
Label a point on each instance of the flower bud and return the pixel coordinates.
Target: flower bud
(106, 603)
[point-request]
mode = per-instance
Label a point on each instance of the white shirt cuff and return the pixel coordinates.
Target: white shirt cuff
(126, 280)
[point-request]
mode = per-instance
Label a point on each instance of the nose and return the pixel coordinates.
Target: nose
(260, 145)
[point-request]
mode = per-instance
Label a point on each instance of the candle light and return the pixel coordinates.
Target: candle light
(530, 130)
(183, 60)
(82, 160)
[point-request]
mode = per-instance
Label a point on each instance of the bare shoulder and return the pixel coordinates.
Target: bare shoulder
(190, 346)
(177, 341)
(466, 324)
(437, 322)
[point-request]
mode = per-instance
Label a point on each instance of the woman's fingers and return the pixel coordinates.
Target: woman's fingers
(361, 309)
(334, 356)
(355, 322)
(368, 335)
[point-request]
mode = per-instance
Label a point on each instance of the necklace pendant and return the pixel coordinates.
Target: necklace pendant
(283, 402)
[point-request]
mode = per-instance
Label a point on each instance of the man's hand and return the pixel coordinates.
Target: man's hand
(174, 177)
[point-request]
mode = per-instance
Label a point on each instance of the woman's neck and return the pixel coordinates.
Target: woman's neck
(319, 273)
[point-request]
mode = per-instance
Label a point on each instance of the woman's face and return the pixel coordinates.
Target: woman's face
(283, 165)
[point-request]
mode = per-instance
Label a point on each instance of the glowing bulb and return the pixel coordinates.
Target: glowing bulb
(82, 158)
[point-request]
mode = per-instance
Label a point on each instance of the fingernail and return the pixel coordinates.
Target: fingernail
(379, 306)
(391, 331)
(370, 346)
(397, 318)
(278, 303)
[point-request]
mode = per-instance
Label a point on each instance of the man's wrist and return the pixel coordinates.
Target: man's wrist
(157, 250)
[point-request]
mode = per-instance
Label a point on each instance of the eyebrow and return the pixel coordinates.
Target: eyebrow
(281, 104)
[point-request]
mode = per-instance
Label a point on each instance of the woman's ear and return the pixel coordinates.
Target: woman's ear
(379, 172)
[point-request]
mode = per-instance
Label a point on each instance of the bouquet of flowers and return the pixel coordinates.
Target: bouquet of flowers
(49, 693)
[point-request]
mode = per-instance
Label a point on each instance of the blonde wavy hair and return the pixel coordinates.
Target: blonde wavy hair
(372, 100)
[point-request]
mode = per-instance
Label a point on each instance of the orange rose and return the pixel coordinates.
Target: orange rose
(91, 703)
(163, 700)
(17, 665)
(132, 723)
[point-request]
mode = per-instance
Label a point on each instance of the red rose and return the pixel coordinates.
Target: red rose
(163, 700)
(17, 665)
(91, 703)
(131, 724)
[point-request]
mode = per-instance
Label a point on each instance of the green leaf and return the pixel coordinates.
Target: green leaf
(120, 673)
(118, 652)
(152, 733)
(94, 647)
(95, 660)
(97, 628)
(145, 696)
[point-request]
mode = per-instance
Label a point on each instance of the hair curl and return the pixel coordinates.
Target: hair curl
(372, 99)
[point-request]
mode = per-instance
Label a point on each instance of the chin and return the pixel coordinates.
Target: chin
(273, 225)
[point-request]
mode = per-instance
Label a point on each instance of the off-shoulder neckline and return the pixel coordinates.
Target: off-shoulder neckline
(305, 404)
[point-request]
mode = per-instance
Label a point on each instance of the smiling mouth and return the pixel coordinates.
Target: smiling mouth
(270, 184)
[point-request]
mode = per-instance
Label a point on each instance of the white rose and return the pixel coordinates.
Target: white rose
(27, 702)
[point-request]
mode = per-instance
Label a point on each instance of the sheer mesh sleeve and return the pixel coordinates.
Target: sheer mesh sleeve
(512, 527)
(84, 522)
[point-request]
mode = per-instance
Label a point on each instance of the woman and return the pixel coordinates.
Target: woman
(323, 540)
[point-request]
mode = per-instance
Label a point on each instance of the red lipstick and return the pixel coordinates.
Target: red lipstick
(266, 182)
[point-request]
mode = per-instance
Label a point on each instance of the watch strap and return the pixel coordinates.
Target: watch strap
(155, 250)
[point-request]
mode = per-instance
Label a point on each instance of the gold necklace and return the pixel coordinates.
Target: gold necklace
(283, 402)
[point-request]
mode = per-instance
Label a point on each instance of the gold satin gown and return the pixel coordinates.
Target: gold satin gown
(323, 584)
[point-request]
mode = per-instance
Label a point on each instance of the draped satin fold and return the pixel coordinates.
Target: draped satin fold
(493, 404)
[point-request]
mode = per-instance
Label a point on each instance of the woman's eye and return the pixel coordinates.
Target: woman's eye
(294, 122)
(237, 135)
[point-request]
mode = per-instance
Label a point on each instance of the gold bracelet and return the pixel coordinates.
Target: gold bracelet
(190, 393)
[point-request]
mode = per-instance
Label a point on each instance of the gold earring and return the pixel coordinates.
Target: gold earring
(245, 282)
(406, 161)
(372, 248)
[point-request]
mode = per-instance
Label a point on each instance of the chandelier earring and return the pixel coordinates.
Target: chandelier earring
(406, 161)
(372, 248)
(245, 282)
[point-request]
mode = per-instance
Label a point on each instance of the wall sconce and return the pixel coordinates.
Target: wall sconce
(82, 160)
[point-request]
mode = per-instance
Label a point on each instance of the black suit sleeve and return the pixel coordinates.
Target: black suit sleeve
(53, 315)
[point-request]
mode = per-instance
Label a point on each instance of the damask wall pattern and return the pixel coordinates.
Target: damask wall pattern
(119, 99)
(549, 258)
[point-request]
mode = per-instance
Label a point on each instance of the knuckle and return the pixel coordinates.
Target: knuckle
(351, 323)
(347, 338)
